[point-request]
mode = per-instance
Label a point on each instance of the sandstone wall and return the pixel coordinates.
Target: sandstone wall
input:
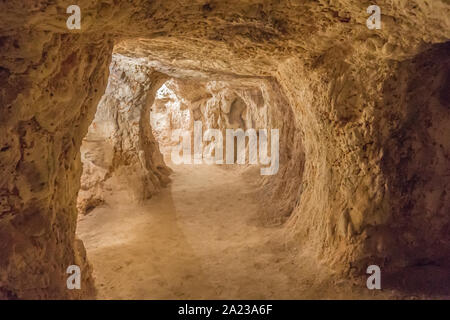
(51, 84)
(120, 141)
(372, 137)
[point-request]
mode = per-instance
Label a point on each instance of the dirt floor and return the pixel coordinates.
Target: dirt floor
(200, 239)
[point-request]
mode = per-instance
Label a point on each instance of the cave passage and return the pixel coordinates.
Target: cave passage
(338, 161)
(202, 236)
(156, 228)
(212, 232)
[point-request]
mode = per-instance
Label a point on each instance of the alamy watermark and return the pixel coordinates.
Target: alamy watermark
(74, 20)
(374, 281)
(374, 21)
(214, 141)
(74, 280)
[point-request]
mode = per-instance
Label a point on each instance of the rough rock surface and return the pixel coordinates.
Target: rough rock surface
(120, 141)
(50, 85)
(370, 107)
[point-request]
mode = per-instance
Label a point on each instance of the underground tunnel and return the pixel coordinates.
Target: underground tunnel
(224, 150)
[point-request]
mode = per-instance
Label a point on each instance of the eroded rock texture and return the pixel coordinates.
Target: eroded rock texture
(369, 108)
(50, 86)
(119, 141)
(349, 126)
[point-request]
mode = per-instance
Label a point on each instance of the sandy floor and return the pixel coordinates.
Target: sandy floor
(199, 239)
